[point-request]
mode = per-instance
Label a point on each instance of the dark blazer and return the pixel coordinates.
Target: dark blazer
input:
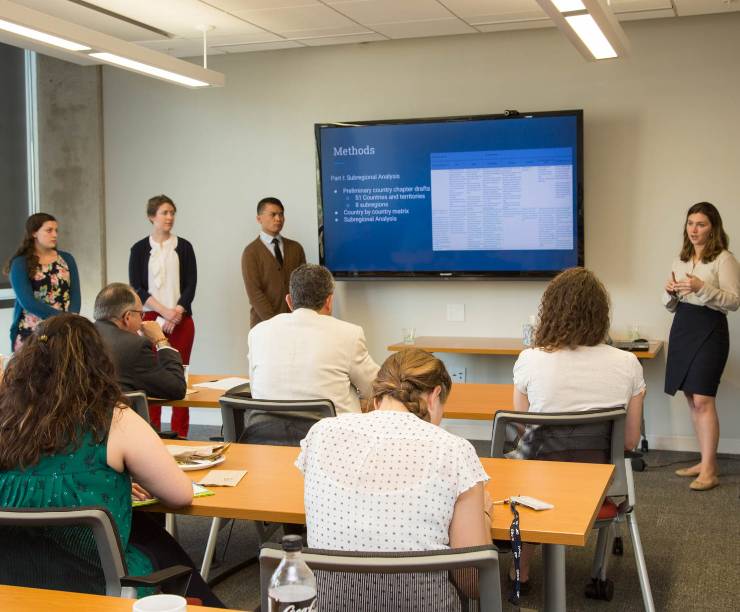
(138, 271)
(140, 367)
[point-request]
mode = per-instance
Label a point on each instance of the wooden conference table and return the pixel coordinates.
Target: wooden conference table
(22, 599)
(466, 401)
(272, 490)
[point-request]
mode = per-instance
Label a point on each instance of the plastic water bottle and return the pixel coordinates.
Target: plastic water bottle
(528, 331)
(293, 585)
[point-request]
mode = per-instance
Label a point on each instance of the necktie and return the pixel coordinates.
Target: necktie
(278, 253)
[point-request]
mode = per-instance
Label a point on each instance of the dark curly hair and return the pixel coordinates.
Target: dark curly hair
(574, 311)
(407, 375)
(718, 239)
(58, 386)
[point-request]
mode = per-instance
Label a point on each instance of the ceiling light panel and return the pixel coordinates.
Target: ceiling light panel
(167, 75)
(90, 18)
(43, 37)
(587, 30)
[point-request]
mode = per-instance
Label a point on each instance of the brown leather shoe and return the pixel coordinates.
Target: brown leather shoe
(704, 485)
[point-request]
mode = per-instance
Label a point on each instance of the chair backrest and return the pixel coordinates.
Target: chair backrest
(378, 581)
(65, 549)
(590, 436)
(137, 400)
(275, 422)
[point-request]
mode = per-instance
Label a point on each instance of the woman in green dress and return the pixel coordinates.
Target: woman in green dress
(68, 440)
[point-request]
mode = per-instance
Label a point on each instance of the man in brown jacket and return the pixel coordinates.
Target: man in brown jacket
(267, 263)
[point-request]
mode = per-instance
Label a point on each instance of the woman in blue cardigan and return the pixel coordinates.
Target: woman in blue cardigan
(44, 279)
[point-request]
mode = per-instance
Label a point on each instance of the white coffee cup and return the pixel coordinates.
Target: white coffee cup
(161, 603)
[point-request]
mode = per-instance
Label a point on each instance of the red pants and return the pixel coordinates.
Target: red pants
(181, 338)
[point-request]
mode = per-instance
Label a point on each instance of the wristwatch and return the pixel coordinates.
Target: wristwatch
(162, 342)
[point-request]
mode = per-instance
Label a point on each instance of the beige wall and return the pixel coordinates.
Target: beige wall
(661, 132)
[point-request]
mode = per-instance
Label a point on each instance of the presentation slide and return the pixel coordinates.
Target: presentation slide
(477, 196)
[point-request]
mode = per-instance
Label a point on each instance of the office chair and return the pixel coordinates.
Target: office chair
(271, 422)
(592, 436)
(449, 579)
(138, 401)
(72, 549)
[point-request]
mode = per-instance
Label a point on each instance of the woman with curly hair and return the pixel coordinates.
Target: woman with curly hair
(44, 279)
(704, 286)
(570, 368)
(67, 439)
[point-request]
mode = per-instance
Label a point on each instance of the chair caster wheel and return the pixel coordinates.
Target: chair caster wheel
(618, 547)
(644, 446)
(600, 589)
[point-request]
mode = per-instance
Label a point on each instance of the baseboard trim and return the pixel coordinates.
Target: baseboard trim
(689, 443)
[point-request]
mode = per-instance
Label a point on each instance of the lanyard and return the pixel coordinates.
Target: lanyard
(516, 551)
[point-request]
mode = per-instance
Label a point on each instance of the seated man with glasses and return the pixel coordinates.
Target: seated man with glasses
(143, 357)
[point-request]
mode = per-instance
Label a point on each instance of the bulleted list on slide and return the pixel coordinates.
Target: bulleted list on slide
(375, 198)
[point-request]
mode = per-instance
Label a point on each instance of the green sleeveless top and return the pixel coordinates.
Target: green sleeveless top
(81, 477)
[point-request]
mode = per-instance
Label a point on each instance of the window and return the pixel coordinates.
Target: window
(18, 177)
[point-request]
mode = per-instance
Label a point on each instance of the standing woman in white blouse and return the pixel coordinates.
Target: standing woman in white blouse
(704, 285)
(163, 272)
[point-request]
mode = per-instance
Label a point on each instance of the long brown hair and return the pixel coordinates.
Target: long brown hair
(58, 386)
(409, 374)
(718, 239)
(27, 248)
(574, 311)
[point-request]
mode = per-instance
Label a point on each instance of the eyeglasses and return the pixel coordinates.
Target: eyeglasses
(139, 312)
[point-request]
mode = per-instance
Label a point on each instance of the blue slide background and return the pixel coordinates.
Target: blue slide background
(405, 149)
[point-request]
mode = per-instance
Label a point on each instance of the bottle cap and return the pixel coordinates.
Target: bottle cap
(292, 543)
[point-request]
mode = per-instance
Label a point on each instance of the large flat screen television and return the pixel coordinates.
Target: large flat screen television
(454, 197)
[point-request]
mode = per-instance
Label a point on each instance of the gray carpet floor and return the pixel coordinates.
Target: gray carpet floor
(691, 542)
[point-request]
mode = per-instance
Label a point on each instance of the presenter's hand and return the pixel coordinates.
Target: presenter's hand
(168, 327)
(178, 317)
(171, 314)
(152, 331)
(690, 284)
(670, 286)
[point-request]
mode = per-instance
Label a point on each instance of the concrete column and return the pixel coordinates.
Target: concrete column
(71, 178)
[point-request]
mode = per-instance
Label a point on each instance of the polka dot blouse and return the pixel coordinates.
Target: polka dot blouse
(383, 481)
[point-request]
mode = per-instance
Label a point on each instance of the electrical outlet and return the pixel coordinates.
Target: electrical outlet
(458, 375)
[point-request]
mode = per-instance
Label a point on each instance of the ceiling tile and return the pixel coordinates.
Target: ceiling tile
(640, 15)
(700, 7)
(179, 17)
(180, 47)
(506, 26)
(417, 29)
(486, 11)
(342, 40)
(369, 12)
(299, 19)
(251, 5)
(264, 46)
(623, 6)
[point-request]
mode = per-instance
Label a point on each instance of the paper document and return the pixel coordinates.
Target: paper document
(222, 478)
(223, 384)
(531, 502)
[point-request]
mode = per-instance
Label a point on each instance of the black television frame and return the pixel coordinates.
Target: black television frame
(458, 274)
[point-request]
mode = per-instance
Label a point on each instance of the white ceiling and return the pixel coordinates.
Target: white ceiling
(239, 26)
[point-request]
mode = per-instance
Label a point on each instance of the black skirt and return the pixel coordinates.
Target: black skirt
(698, 346)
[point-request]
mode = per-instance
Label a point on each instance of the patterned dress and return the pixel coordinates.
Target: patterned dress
(80, 477)
(51, 285)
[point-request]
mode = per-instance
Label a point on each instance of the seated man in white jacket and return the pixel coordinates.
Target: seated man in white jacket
(307, 353)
